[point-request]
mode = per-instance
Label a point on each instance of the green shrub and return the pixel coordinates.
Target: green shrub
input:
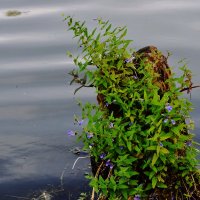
(139, 134)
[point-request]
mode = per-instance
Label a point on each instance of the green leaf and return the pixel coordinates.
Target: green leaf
(145, 96)
(154, 182)
(93, 32)
(161, 185)
(125, 194)
(158, 149)
(122, 186)
(69, 54)
(120, 64)
(164, 150)
(156, 99)
(152, 148)
(123, 34)
(129, 145)
(108, 28)
(151, 174)
(165, 136)
(155, 157)
(176, 130)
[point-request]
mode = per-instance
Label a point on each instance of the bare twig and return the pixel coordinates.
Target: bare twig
(188, 192)
(78, 159)
(189, 88)
(195, 188)
(96, 175)
(110, 173)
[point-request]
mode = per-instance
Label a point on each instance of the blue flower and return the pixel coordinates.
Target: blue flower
(188, 143)
(102, 156)
(80, 123)
(89, 135)
(109, 164)
(129, 60)
(70, 133)
(168, 107)
(121, 147)
(111, 125)
(137, 197)
(135, 77)
(161, 144)
(166, 120)
(173, 122)
(107, 104)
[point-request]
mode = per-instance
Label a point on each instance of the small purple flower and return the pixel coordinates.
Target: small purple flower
(168, 107)
(137, 197)
(70, 133)
(166, 120)
(111, 125)
(173, 122)
(109, 164)
(102, 156)
(121, 147)
(188, 143)
(161, 144)
(128, 60)
(107, 104)
(89, 135)
(80, 123)
(135, 77)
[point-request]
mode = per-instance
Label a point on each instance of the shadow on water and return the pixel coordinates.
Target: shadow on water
(66, 185)
(37, 189)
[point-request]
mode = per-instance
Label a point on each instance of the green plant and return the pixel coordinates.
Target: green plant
(139, 134)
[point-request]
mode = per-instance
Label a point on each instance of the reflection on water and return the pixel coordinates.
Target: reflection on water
(13, 13)
(36, 102)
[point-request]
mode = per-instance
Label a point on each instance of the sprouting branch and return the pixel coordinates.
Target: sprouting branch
(188, 89)
(81, 81)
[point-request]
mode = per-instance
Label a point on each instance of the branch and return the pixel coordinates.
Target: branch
(78, 159)
(96, 175)
(189, 88)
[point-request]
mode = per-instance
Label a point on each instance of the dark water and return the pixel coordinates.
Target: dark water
(36, 102)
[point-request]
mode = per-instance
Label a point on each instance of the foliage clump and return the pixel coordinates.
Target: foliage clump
(139, 134)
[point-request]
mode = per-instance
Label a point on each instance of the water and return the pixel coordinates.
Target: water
(37, 104)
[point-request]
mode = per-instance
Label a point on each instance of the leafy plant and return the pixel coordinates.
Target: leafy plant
(139, 134)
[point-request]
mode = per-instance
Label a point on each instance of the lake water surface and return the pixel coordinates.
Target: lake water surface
(36, 102)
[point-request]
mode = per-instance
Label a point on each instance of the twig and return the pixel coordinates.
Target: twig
(195, 188)
(78, 159)
(96, 175)
(65, 168)
(188, 192)
(189, 88)
(110, 173)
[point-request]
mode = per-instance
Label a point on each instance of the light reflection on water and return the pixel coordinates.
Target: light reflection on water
(36, 102)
